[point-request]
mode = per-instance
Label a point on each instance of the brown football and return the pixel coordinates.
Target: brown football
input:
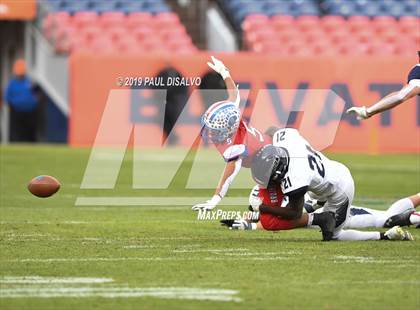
(44, 186)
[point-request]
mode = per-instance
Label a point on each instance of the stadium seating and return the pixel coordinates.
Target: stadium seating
(115, 26)
(238, 10)
(312, 35)
(101, 6)
(307, 27)
(282, 27)
(395, 8)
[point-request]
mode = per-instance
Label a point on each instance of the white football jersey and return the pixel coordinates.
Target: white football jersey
(307, 167)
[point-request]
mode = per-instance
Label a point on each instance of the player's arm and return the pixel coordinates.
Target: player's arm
(220, 68)
(231, 170)
(388, 102)
(294, 208)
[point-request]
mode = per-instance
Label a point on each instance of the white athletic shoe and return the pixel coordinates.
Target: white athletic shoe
(397, 233)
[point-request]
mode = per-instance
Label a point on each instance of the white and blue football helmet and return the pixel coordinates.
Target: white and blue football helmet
(220, 121)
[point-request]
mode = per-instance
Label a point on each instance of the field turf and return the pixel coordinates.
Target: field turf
(161, 257)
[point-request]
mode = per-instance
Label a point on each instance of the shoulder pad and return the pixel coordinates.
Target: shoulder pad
(234, 151)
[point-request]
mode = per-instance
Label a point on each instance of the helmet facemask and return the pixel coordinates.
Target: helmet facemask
(270, 165)
(281, 166)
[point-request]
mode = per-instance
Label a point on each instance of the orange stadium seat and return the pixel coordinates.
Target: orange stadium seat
(83, 19)
(280, 22)
(357, 35)
(129, 43)
(138, 19)
(384, 23)
(315, 35)
(91, 32)
(102, 44)
(87, 30)
(54, 20)
(109, 19)
(255, 21)
(140, 34)
(332, 22)
(358, 23)
(379, 49)
(307, 23)
(408, 22)
(166, 19)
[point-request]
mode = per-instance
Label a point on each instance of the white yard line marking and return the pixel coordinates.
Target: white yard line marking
(142, 247)
(153, 201)
(236, 252)
(371, 260)
(80, 222)
(187, 248)
(414, 282)
(49, 237)
(361, 259)
(28, 235)
(122, 292)
(252, 253)
(150, 219)
(247, 258)
(209, 250)
(117, 259)
(48, 280)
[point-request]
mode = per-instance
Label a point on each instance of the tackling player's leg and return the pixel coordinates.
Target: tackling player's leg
(340, 204)
(408, 216)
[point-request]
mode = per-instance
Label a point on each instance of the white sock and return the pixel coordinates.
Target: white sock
(310, 219)
(397, 207)
(400, 206)
(415, 218)
(349, 235)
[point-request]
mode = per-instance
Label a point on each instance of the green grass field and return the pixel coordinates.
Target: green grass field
(161, 257)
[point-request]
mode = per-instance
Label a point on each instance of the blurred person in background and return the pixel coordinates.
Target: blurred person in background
(21, 97)
(176, 98)
(411, 89)
(213, 81)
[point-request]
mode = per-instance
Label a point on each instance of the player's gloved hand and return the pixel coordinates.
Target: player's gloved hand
(209, 204)
(254, 199)
(227, 223)
(238, 224)
(219, 67)
(241, 224)
(360, 112)
(311, 205)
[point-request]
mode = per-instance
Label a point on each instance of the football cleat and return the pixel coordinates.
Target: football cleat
(326, 221)
(397, 233)
(402, 219)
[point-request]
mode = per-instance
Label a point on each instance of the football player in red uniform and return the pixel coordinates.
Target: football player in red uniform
(402, 212)
(281, 167)
(273, 197)
(236, 140)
